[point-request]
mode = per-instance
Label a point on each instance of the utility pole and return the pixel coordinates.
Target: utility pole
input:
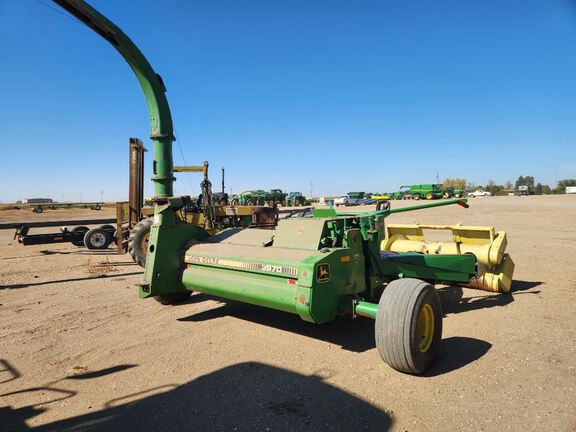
(222, 180)
(556, 170)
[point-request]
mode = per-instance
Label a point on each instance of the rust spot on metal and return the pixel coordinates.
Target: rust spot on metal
(264, 217)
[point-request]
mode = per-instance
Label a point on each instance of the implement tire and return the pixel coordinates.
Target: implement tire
(97, 238)
(173, 299)
(409, 325)
(138, 241)
(82, 230)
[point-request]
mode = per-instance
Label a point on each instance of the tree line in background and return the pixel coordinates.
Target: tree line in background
(505, 189)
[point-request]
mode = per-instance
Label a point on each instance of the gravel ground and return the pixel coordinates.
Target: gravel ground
(80, 351)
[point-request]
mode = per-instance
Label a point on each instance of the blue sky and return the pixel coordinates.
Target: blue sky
(363, 95)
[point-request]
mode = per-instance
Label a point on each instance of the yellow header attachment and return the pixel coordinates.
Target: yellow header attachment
(495, 267)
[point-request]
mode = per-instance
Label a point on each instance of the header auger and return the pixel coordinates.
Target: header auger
(316, 267)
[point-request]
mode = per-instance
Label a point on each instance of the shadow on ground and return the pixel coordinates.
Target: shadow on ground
(355, 335)
(455, 353)
(242, 397)
(100, 373)
(453, 300)
(8, 372)
(78, 279)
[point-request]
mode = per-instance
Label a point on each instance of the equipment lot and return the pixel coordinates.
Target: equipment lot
(78, 349)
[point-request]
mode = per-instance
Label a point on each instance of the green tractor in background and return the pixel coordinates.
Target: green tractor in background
(450, 192)
(423, 191)
(276, 197)
(250, 198)
(296, 199)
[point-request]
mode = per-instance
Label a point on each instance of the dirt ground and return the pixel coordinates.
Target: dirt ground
(79, 351)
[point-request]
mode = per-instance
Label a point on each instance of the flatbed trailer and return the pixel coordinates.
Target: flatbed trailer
(39, 208)
(75, 235)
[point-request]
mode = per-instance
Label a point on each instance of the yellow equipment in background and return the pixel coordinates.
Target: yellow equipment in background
(495, 267)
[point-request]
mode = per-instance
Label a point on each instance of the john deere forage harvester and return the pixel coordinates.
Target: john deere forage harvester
(317, 268)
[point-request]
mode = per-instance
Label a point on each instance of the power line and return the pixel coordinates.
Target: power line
(70, 17)
(184, 160)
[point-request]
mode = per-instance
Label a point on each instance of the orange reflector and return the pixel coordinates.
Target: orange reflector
(292, 281)
(345, 258)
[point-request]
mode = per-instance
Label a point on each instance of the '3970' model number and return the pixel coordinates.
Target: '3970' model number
(272, 268)
(225, 262)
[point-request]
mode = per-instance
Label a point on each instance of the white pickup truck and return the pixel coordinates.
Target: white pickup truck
(345, 200)
(479, 193)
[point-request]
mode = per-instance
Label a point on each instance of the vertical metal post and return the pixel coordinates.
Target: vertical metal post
(222, 180)
(136, 181)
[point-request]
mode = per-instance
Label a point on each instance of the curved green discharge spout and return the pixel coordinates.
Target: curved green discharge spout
(152, 86)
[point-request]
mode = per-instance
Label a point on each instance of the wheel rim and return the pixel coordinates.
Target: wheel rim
(98, 240)
(429, 196)
(425, 333)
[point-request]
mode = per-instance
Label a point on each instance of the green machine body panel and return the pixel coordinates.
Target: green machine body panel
(308, 279)
(315, 267)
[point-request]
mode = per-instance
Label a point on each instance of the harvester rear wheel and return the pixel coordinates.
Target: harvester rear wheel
(283, 203)
(445, 195)
(416, 196)
(173, 299)
(409, 325)
(138, 241)
(429, 196)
